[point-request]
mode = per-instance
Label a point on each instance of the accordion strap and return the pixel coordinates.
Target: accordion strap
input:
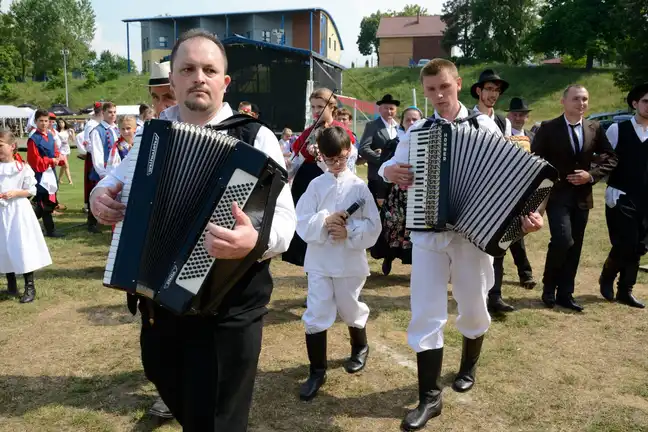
(472, 119)
(240, 121)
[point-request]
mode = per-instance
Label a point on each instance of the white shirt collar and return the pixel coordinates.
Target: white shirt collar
(580, 122)
(389, 125)
(463, 112)
(516, 132)
(225, 112)
(491, 115)
(107, 126)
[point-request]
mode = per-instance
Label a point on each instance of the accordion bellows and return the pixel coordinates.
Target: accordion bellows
(475, 183)
(182, 177)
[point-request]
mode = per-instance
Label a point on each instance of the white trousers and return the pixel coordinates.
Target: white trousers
(328, 296)
(471, 273)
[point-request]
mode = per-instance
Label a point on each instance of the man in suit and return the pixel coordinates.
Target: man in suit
(569, 143)
(518, 113)
(487, 91)
(626, 204)
(375, 137)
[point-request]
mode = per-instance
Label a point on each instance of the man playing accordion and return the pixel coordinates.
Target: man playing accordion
(440, 257)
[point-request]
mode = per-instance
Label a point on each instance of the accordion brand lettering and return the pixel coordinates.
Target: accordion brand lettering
(171, 276)
(152, 153)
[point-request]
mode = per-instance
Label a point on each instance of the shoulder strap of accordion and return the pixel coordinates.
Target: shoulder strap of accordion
(472, 119)
(241, 126)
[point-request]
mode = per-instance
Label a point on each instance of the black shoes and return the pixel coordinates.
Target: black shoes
(160, 409)
(359, 350)
(568, 302)
(528, 283)
(12, 285)
(30, 289)
(624, 296)
(430, 402)
(469, 356)
(387, 266)
(316, 347)
(497, 305)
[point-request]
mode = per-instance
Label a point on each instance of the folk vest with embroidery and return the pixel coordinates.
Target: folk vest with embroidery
(107, 141)
(45, 147)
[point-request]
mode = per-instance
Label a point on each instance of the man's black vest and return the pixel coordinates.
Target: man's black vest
(500, 121)
(631, 173)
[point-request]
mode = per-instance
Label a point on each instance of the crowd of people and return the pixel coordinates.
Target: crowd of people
(214, 357)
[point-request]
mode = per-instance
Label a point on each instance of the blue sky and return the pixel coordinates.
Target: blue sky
(111, 32)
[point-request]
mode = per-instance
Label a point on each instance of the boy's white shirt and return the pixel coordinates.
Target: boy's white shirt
(324, 196)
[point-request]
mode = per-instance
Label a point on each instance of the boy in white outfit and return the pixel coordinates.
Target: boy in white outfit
(336, 257)
(438, 257)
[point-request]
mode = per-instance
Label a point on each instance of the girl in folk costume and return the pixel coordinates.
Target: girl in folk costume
(22, 246)
(66, 134)
(394, 241)
(336, 257)
(101, 141)
(119, 150)
(306, 161)
(43, 157)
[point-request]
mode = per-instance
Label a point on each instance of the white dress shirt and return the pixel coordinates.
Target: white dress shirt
(428, 239)
(324, 196)
(284, 221)
(392, 128)
(515, 132)
(579, 133)
(613, 194)
(96, 148)
(89, 126)
(508, 129)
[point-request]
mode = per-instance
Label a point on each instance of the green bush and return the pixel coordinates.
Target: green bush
(55, 82)
(8, 93)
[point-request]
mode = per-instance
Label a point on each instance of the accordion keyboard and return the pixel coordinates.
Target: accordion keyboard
(114, 245)
(424, 158)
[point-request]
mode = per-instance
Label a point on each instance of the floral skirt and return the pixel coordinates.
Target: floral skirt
(394, 241)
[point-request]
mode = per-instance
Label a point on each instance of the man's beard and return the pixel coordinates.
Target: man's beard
(197, 106)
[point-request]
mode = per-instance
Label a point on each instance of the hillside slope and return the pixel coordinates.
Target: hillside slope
(541, 86)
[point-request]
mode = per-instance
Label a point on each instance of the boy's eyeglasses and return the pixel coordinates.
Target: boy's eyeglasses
(336, 160)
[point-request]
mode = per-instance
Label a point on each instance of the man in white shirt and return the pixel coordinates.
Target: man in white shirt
(626, 209)
(487, 91)
(204, 367)
(438, 257)
(88, 184)
(100, 142)
(374, 139)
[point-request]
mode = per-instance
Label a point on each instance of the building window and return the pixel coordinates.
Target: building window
(145, 44)
(163, 42)
(265, 35)
(335, 45)
(278, 36)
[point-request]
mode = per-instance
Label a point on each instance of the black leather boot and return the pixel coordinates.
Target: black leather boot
(624, 295)
(160, 409)
(12, 285)
(495, 304)
(465, 379)
(606, 280)
(316, 347)
(30, 289)
(359, 350)
(430, 402)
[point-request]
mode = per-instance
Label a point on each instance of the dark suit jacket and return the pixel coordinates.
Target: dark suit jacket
(528, 133)
(375, 137)
(552, 143)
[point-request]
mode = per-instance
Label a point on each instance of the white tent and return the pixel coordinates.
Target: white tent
(12, 112)
(127, 110)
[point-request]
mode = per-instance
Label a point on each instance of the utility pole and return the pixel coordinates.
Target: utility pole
(65, 53)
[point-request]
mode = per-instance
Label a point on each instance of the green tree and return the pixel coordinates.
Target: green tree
(45, 27)
(633, 45)
(580, 28)
(413, 10)
(457, 17)
(503, 29)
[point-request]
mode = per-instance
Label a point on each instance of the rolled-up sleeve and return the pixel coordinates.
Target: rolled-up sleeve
(284, 221)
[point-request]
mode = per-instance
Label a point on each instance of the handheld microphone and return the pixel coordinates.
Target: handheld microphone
(354, 207)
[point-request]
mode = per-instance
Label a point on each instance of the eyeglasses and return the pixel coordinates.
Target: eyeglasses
(336, 160)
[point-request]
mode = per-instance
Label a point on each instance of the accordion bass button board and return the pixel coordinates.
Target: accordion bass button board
(182, 178)
(475, 183)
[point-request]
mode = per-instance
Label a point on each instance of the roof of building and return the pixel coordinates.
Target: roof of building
(246, 41)
(174, 17)
(412, 26)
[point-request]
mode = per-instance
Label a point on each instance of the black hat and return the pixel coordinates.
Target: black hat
(637, 93)
(518, 105)
(388, 99)
(488, 75)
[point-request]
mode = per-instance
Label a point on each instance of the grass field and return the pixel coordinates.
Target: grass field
(70, 360)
